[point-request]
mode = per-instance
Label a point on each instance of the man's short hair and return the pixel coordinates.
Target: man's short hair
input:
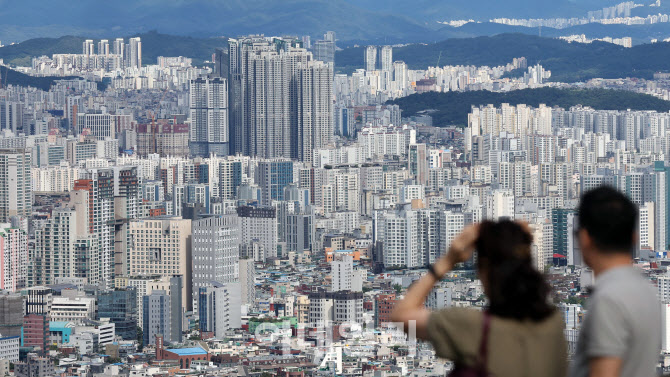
(610, 218)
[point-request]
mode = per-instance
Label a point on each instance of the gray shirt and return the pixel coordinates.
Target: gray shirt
(623, 320)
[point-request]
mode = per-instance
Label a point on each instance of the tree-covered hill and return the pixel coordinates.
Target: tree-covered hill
(452, 108)
(568, 62)
(11, 77)
(154, 44)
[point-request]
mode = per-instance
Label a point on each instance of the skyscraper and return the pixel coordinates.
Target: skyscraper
(11, 116)
(133, 53)
(272, 81)
(209, 117)
(66, 247)
(119, 47)
(103, 47)
(88, 47)
(273, 176)
(315, 126)
(13, 257)
(387, 58)
(418, 163)
(324, 50)
(15, 184)
(371, 58)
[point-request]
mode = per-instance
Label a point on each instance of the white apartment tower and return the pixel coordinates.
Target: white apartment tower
(387, 58)
(371, 58)
(15, 184)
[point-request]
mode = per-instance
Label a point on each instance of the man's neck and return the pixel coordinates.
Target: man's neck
(608, 262)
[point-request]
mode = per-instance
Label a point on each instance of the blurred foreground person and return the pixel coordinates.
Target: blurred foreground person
(620, 335)
(519, 334)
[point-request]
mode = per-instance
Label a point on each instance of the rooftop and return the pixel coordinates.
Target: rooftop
(187, 351)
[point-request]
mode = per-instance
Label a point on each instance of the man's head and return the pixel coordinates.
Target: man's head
(607, 221)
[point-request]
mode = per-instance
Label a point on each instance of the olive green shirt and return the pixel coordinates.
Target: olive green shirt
(515, 348)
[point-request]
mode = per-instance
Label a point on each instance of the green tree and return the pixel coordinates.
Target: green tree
(140, 339)
(398, 288)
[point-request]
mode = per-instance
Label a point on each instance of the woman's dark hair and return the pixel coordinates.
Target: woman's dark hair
(515, 288)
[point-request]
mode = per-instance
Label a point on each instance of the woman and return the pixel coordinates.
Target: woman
(519, 334)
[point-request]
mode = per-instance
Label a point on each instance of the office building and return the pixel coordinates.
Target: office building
(220, 308)
(144, 285)
(324, 50)
(11, 313)
(156, 317)
(215, 246)
(163, 138)
(161, 247)
(259, 225)
(120, 307)
(73, 306)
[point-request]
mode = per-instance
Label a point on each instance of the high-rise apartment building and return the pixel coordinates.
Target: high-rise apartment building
(275, 89)
(324, 50)
(316, 123)
(99, 187)
(103, 47)
(15, 185)
(13, 258)
(387, 58)
(119, 47)
(88, 47)
(371, 58)
(134, 53)
(11, 116)
(65, 248)
(209, 131)
(273, 176)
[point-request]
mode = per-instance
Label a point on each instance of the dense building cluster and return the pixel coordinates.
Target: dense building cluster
(263, 216)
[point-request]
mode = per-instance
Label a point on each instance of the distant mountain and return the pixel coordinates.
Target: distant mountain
(364, 20)
(441, 10)
(153, 45)
(569, 62)
(452, 108)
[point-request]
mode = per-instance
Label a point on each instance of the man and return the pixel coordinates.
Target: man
(620, 335)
